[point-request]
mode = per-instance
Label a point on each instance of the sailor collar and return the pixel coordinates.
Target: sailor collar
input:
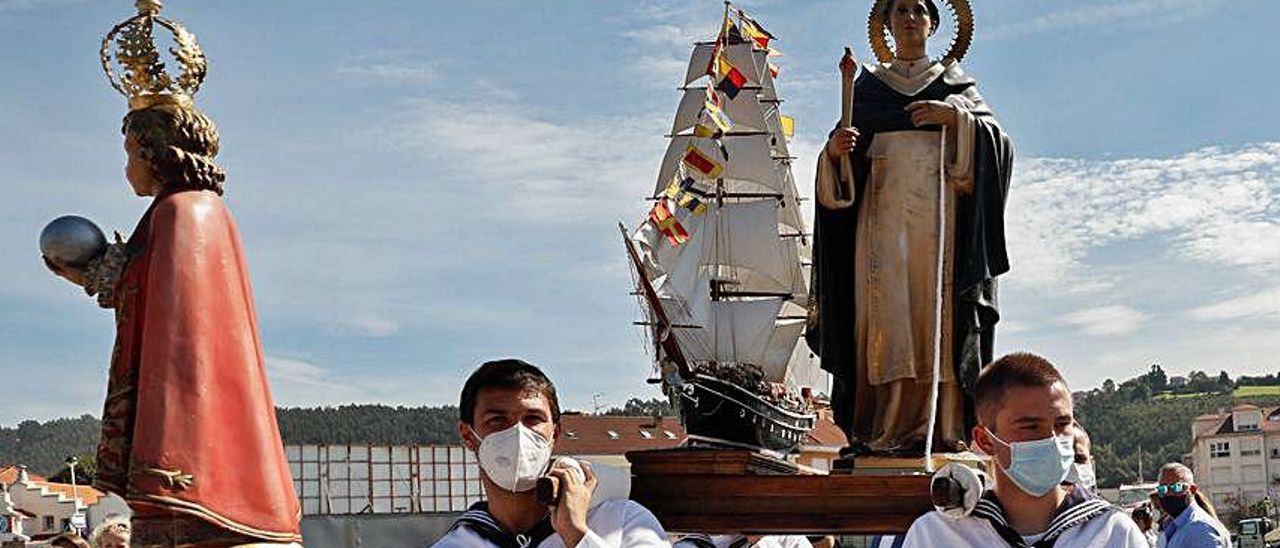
(1075, 510)
(481, 522)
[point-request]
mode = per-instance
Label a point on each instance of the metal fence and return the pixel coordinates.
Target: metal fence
(380, 479)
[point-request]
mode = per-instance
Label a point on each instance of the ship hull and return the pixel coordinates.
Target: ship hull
(717, 411)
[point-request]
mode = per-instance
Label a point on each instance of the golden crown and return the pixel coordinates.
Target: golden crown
(142, 75)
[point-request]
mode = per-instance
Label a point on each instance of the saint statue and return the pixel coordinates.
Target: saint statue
(909, 239)
(189, 434)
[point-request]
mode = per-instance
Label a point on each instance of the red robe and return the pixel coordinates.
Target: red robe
(189, 428)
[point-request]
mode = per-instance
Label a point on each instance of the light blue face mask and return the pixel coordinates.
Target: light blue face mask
(1038, 466)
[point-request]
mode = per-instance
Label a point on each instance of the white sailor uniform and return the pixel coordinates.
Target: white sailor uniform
(612, 524)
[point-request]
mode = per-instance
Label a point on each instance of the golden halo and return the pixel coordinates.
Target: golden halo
(878, 32)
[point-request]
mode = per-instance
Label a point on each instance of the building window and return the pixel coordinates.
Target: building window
(669, 434)
(1250, 452)
(1219, 449)
(613, 434)
(48, 523)
(646, 434)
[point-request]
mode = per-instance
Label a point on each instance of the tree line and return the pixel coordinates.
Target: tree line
(1136, 425)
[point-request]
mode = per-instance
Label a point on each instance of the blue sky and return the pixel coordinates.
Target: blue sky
(425, 185)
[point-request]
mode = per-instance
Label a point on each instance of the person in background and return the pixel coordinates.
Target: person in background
(1145, 518)
(69, 539)
(509, 415)
(1188, 525)
(1082, 472)
(1025, 417)
(111, 533)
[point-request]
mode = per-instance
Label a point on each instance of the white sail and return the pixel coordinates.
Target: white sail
(741, 238)
(764, 78)
(740, 56)
(735, 291)
(774, 126)
(805, 370)
(730, 331)
(744, 110)
(745, 235)
(748, 167)
(776, 361)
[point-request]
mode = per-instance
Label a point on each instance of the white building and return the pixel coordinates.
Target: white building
(1236, 454)
(381, 479)
(49, 506)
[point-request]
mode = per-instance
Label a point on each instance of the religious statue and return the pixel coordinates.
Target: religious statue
(189, 435)
(909, 239)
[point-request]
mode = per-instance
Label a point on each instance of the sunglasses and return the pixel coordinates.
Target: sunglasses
(1171, 488)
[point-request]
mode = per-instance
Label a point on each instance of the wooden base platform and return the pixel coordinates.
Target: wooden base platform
(726, 491)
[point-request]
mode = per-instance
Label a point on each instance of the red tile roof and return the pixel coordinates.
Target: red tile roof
(90, 496)
(1225, 422)
(825, 432)
(615, 435)
(9, 474)
(86, 493)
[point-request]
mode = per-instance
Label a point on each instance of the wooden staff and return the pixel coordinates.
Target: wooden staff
(848, 65)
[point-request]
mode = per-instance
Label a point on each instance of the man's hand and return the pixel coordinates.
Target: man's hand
(932, 113)
(67, 272)
(841, 142)
(569, 516)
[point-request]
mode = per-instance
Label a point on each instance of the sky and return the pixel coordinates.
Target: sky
(422, 186)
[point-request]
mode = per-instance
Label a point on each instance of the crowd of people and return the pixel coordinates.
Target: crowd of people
(1043, 491)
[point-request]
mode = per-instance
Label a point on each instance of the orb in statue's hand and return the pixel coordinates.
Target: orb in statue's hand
(72, 240)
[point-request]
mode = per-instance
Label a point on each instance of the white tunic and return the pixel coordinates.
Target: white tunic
(612, 524)
(1110, 530)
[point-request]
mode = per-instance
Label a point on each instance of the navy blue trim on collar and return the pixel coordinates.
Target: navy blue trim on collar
(481, 522)
(1075, 510)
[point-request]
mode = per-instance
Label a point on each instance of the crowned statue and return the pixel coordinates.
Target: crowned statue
(189, 434)
(909, 238)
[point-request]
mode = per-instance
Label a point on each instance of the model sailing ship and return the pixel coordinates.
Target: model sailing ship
(721, 261)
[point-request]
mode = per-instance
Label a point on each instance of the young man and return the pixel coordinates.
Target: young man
(1024, 413)
(1188, 525)
(1082, 472)
(509, 416)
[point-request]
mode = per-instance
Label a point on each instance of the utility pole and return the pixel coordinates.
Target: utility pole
(1139, 463)
(595, 403)
(77, 518)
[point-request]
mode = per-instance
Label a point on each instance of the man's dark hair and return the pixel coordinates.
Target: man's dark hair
(1020, 369)
(935, 17)
(508, 374)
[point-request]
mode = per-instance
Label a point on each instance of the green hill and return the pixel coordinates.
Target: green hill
(1143, 412)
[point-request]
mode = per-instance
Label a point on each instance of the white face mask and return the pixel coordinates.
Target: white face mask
(514, 458)
(1082, 474)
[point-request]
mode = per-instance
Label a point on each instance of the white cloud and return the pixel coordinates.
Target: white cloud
(668, 39)
(532, 169)
(1264, 304)
(388, 67)
(1213, 206)
(1107, 320)
(1141, 13)
(374, 325)
(300, 383)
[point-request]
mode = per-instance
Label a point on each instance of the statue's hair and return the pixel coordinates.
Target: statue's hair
(116, 525)
(935, 16)
(179, 142)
